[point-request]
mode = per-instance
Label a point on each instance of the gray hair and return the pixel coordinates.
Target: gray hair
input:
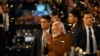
(60, 24)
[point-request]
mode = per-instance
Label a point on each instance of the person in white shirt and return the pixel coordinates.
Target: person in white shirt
(86, 38)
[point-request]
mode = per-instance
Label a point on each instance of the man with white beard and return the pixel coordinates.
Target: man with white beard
(58, 42)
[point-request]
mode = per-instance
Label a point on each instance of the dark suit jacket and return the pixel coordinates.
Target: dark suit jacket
(1, 19)
(36, 47)
(79, 36)
(69, 28)
(9, 34)
(11, 22)
(2, 39)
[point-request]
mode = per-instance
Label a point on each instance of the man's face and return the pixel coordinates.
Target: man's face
(88, 19)
(56, 31)
(55, 18)
(71, 18)
(45, 24)
(5, 8)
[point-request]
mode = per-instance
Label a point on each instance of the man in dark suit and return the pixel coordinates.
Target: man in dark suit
(7, 23)
(40, 41)
(86, 38)
(6, 29)
(3, 28)
(74, 20)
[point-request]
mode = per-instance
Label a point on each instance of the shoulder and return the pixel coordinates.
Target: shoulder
(96, 27)
(38, 32)
(67, 37)
(77, 29)
(0, 15)
(80, 27)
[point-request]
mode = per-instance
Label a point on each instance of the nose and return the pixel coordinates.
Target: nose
(90, 18)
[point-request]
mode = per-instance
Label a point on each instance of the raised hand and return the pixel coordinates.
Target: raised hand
(47, 37)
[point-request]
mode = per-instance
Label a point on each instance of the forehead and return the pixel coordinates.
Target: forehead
(88, 15)
(54, 16)
(43, 19)
(70, 14)
(55, 26)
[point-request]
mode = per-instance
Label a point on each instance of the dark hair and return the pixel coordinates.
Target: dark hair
(85, 12)
(75, 13)
(55, 12)
(47, 17)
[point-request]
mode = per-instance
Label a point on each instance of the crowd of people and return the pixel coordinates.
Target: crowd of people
(61, 29)
(58, 40)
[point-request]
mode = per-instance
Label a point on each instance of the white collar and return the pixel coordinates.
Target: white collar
(87, 26)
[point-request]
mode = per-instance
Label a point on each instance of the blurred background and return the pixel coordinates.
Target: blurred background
(24, 20)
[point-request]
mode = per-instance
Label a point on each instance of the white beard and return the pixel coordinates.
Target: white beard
(56, 35)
